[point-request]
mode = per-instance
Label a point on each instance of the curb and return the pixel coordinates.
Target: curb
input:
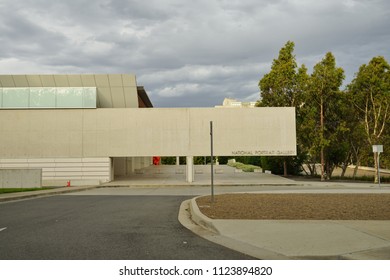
(201, 185)
(201, 219)
(209, 228)
(36, 194)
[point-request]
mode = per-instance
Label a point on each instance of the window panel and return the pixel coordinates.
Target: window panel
(15, 97)
(42, 97)
(48, 97)
(69, 98)
(89, 98)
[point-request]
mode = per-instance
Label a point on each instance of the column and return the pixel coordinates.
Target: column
(177, 160)
(190, 169)
(130, 165)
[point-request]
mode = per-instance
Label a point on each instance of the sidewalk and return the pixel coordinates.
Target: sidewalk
(168, 175)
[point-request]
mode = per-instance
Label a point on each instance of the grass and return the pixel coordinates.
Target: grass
(363, 178)
(13, 190)
(244, 167)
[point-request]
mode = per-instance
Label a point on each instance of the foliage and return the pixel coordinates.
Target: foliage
(329, 129)
(276, 165)
(371, 97)
(278, 87)
(244, 167)
(324, 94)
(370, 94)
(284, 86)
(172, 160)
(252, 160)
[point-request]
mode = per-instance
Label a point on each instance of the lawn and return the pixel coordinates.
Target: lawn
(13, 190)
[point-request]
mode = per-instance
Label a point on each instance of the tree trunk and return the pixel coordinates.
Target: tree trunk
(322, 138)
(343, 170)
(345, 165)
(357, 157)
(304, 169)
(285, 168)
(356, 169)
(310, 169)
(376, 167)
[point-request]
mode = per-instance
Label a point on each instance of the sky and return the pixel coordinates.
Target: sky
(189, 53)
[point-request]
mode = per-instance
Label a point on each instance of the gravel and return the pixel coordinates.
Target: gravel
(297, 206)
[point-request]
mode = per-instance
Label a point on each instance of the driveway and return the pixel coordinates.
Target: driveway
(101, 227)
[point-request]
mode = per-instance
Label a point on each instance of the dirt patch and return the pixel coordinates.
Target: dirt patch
(297, 206)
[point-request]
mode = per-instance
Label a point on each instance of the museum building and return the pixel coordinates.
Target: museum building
(68, 93)
(93, 128)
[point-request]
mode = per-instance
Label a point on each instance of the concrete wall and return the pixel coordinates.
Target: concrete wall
(128, 132)
(57, 171)
(127, 165)
(20, 178)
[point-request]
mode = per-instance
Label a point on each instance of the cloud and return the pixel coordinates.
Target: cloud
(188, 53)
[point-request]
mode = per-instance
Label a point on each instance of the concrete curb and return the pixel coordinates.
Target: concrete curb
(210, 232)
(42, 193)
(201, 219)
(199, 185)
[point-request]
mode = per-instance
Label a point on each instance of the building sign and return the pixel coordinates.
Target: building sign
(263, 153)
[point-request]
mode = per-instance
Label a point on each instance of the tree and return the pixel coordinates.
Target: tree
(325, 82)
(370, 91)
(353, 139)
(278, 87)
(282, 86)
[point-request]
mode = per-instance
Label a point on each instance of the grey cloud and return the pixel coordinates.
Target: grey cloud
(191, 53)
(22, 37)
(140, 11)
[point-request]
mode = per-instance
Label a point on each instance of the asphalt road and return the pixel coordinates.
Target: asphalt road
(102, 227)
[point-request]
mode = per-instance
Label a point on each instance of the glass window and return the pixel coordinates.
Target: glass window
(89, 98)
(15, 97)
(48, 97)
(69, 98)
(42, 97)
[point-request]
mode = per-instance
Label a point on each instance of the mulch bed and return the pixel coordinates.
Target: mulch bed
(297, 206)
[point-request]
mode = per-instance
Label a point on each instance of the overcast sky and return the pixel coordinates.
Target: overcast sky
(188, 53)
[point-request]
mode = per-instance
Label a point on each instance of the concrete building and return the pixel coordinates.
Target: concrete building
(89, 129)
(234, 103)
(62, 96)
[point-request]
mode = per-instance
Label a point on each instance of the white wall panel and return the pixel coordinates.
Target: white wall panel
(132, 132)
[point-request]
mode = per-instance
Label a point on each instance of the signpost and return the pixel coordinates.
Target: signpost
(378, 149)
(212, 162)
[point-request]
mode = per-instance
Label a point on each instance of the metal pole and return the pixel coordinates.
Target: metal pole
(212, 162)
(379, 173)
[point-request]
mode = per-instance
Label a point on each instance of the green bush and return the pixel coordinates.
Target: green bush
(244, 167)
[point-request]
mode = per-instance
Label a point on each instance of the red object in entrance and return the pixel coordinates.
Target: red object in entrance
(156, 160)
(68, 184)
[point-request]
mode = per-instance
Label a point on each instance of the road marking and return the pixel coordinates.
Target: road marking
(1, 229)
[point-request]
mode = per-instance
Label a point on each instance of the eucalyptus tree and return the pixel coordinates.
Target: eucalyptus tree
(324, 91)
(370, 91)
(283, 85)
